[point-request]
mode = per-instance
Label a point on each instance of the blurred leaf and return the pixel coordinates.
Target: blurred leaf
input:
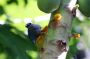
(14, 44)
(12, 1)
(72, 48)
(75, 22)
(22, 11)
(2, 11)
(76, 26)
(86, 33)
(25, 1)
(73, 42)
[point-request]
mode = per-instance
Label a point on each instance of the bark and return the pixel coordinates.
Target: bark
(56, 40)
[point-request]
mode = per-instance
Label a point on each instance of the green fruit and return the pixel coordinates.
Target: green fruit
(84, 7)
(48, 6)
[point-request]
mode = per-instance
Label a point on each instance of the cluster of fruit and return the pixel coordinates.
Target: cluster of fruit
(48, 6)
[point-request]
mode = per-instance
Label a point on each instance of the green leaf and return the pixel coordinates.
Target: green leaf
(16, 46)
(12, 1)
(2, 11)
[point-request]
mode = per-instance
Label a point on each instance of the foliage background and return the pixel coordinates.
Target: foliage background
(14, 43)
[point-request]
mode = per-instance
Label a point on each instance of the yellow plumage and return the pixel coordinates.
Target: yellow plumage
(41, 37)
(40, 41)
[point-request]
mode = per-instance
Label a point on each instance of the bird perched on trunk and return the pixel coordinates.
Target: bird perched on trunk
(33, 31)
(37, 35)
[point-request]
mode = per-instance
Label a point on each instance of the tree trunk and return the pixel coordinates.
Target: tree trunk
(58, 32)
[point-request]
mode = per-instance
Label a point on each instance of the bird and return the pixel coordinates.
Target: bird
(34, 31)
(36, 34)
